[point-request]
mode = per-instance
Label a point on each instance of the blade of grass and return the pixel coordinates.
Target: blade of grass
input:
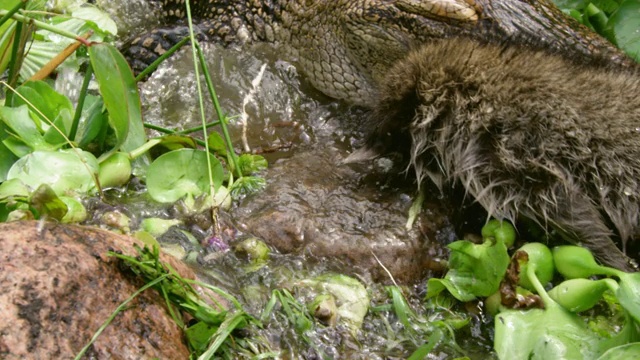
(116, 312)
(200, 98)
(223, 332)
(231, 156)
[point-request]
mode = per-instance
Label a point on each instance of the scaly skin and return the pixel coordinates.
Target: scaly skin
(345, 47)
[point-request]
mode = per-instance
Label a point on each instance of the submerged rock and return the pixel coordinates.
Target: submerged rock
(59, 286)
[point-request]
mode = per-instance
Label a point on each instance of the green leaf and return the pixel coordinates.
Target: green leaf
(67, 171)
(7, 158)
(629, 293)
(120, 95)
(199, 336)
(553, 333)
(24, 131)
(51, 107)
(474, 270)
(625, 24)
(217, 144)
(183, 172)
(624, 352)
(96, 16)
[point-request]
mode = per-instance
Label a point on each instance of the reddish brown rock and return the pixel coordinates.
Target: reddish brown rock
(59, 286)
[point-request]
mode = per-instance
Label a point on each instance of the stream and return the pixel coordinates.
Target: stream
(317, 215)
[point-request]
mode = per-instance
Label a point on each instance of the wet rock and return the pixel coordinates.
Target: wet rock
(315, 206)
(59, 286)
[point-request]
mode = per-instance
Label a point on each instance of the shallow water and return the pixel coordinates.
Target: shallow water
(317, 215)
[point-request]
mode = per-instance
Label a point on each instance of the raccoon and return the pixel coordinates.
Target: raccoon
(526, 133)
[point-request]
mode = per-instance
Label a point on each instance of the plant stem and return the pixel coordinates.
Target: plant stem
(10, 13)
(216, 105)
(80, 105)
(45, 26)
(162, 58)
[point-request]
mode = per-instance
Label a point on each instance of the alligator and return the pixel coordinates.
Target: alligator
(508, 119)
(344, 47)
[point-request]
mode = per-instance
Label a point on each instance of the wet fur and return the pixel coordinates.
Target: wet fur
(525, 133)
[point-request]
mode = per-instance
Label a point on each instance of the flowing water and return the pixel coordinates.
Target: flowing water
(317, 215)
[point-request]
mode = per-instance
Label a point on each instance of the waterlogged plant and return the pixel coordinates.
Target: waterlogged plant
(555, 330)
(77, 151)
(616, 20)
(211, 330)
(476, 269)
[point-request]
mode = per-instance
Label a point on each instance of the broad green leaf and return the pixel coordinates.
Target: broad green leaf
(183, 172)
(351, 296)
(76, 212)
(474, 270)
(624, 352)
(20, 125)
(625, 23)
(120, 94)
(66, 171)
(629, 293)
(553, 333)
(98, 17)
(13, 188)
(51, 107)
(217, 144)
(7, 31)
(7, 158)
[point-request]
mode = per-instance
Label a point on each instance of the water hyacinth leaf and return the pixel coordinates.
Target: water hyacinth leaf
(576, 262)
(539, 256)
(474, 270)
(93, 122)
(629, 293)
(625, 24)
(24, 131)
(13, 188)
(66, 171)
(624, 352)
(115, 170)
(76, 212)
(351, 297)
(217, 144)
(578, 295)
(183, 172)
(98, 17)
(553, 333)
(175, 142)
(120, 95)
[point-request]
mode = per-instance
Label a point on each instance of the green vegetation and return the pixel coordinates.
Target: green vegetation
(616, 20)
(554, 330)
(54, 155)
(49, 146)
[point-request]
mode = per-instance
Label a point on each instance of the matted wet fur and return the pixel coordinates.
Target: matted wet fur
(525, 133)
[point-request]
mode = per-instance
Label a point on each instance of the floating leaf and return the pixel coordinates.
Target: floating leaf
(183, 172)
(66, 171)
(474, 270)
